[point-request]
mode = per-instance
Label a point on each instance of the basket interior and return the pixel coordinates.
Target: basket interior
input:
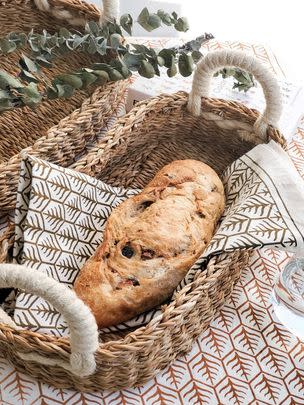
(21, 127)
(167, 134)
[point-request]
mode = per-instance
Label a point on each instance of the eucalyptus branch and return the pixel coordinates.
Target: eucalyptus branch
(119, 59)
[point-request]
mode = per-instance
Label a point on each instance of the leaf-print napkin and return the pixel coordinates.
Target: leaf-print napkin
(61, 214)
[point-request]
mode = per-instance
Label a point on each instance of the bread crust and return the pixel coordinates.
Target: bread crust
(150, 242)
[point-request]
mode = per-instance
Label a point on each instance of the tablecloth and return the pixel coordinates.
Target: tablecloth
(245, 357)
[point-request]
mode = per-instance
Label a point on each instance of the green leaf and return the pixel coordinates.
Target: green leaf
(144, 50)
(182, 24)
(160, 60)
(143, 16)
(115, 75)
(7, 80)
(64, 33)
(121, 67)
(126, 21)
(7, 46)
(168, 56)
(115, 40)
(174, 15)
(5, 105)
(92, 27)
(172, 71)
(102, 76)
(28, 77)
(101, 45)
(88, 78)
(79, 40)
(27, 64)
(31, 95)
(71, 80)
(149, 21)
(165, 17)
(43, 61)
(146, 69)
(196, 56)
(52, 93)
(92, 47)
(132, 60)
(33, 45)
(185, 64)
(4, 94)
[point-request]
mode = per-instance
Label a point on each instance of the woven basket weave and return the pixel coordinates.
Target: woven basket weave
(56, 130)
(154, 133)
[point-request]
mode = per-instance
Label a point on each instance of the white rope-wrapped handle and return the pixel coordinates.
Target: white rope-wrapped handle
(110, 11)
(80, 320)
(214, 61)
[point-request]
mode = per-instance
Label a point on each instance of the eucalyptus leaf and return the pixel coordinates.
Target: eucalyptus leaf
(146, 69)
(196, 56)
(28, 77)
(126, 21)
(79, 40)
(4, 94)
(181, 24)
(64, 33)
(160, 61)
(132, 60)
(115, 40)
(31, 95)
(172, 71)
(115, 75)
(7, 46)
(144, 50)
(92, 46)
(165, 17)
(88, 79)
(168, 55)
(149, 21)
(71, 80)
(43, 61)
(185, 64)
(121, 67)
(27, 64)
(7, 80)
(103, 77)
(93, 27)
(5, 105)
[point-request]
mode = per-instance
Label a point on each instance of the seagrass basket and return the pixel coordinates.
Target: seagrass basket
(57, 130)
(155, 132)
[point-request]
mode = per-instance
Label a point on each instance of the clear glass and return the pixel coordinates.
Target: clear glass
(288, 296)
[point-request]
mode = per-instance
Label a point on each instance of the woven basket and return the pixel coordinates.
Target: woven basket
(154, 133)
(57, 130)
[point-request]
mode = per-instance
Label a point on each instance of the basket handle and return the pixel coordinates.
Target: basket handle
(110, 11)
(81, 322)
(214, 61)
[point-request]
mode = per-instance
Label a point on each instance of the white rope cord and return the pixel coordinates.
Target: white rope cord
(81, 322)
(214, 61)
(110, 11)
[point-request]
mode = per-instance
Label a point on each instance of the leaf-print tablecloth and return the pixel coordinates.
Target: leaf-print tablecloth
(245, 357)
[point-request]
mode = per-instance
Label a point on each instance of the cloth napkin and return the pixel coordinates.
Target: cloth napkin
(61, 214)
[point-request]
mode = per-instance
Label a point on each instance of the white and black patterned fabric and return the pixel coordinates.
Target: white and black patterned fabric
(61, 214)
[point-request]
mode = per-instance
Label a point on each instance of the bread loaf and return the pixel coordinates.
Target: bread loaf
(150, 242)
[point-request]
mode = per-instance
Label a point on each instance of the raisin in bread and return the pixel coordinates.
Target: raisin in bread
(150, 242)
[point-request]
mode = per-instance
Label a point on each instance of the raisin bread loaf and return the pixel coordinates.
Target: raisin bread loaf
(150, 242)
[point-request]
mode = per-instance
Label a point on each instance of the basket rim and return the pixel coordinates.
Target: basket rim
(146, 109)
(77, 6)
(215, 266)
